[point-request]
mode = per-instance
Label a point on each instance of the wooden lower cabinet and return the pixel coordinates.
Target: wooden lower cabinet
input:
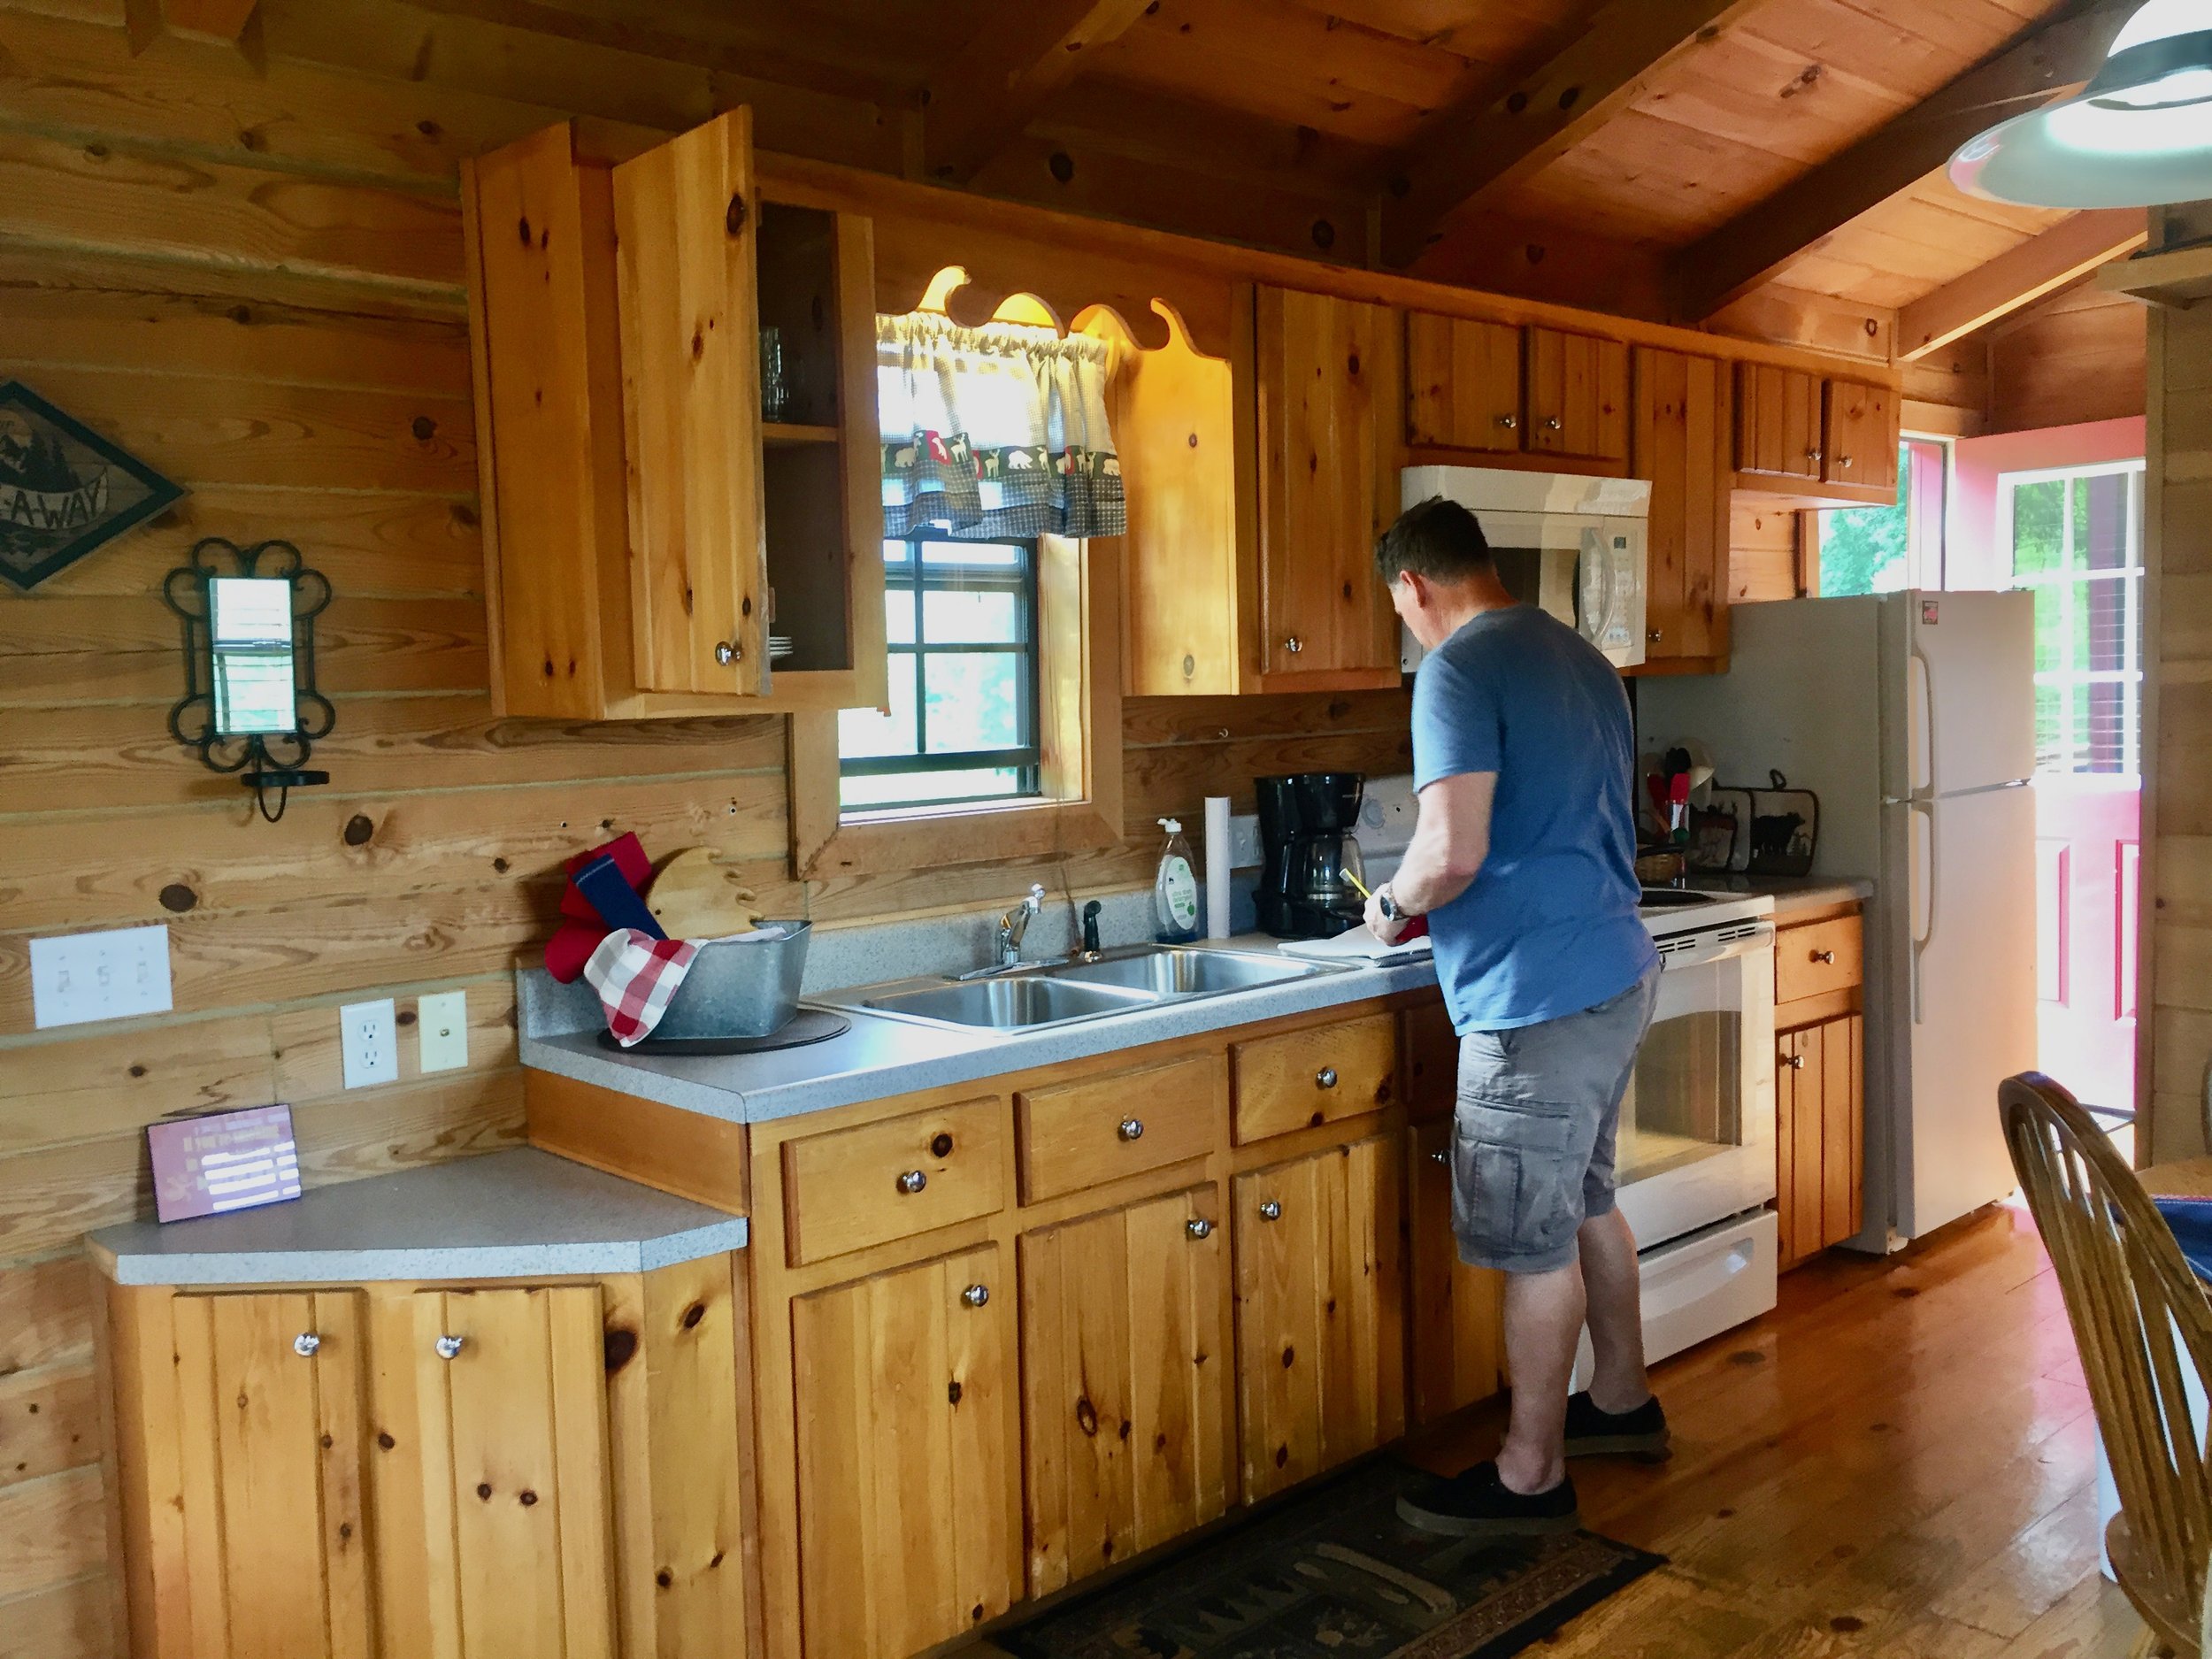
(1320, 1311)
(1455, 1313)
(909, 1456)
(1819, 1134)
(1125, 1382)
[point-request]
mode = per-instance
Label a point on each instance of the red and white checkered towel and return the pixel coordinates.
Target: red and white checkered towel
(635, 975)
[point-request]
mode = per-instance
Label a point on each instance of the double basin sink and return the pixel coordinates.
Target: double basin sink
(1086, 988)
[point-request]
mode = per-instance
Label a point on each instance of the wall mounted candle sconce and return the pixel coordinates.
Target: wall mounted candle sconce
(250, 705)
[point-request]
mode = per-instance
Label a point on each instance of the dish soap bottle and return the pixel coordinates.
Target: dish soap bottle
(1175, 890)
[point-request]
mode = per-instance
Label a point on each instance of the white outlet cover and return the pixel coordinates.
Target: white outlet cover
(368, 1041)
(442, 1020)
(110, 975)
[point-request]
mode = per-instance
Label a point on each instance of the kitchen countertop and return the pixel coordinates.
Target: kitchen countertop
(518, 1214)
(1791, 892)
(881, 1056)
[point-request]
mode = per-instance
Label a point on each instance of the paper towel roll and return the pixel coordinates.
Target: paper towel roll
(1217, 860)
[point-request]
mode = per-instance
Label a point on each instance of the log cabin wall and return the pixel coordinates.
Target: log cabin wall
(252, 279)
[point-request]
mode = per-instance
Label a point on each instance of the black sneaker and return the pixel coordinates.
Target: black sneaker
(1477, 1504)
(1639, 1433)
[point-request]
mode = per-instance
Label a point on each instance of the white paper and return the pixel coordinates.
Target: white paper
(1217, 866)
(1356, 945)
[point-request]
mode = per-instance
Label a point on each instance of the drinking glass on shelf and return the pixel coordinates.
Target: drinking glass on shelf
(775, 385)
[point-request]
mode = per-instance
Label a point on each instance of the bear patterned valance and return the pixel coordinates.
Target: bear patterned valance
(994, 434)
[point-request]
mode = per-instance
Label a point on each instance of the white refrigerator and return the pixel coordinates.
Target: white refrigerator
(1912, 716)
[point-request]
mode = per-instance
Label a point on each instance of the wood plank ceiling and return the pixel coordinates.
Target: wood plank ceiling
(1611, 152)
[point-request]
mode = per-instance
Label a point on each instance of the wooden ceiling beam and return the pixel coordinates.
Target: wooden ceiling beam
(224, 21)
(1471, 156)
(982, 100)
(1759, 243)
(2012, 282)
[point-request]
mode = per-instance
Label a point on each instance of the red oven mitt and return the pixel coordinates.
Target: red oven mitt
(582, 927)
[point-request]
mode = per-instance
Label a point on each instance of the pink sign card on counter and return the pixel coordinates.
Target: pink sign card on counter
(209, 1166)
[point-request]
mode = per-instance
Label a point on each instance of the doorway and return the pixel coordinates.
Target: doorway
(2074, 538)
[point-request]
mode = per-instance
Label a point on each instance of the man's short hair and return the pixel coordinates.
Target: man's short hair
(1439, 540)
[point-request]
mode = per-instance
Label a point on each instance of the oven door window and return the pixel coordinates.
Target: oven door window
(1685, 1101)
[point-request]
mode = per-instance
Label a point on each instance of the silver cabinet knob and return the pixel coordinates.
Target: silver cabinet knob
(306, 1344)
(1655, 635)
(1198, 1227)
(1271, 1212)
(1325, 1077)
(1294, 645)
(1824, 956)
(1552, 423)
(448, 1346)
(1812, 455)
(913, 1181)
(1844, 462)
(1795, 1062)
(1131, 1129)
(729, 651)
(1440, 1156)
(1511, 422)
(976, 1296)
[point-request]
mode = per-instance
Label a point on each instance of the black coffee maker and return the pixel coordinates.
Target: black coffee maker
(1306, 822)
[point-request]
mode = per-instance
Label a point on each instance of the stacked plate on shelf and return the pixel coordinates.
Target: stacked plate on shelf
(779, 647)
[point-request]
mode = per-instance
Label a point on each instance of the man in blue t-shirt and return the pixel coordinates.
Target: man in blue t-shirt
(1524, 862)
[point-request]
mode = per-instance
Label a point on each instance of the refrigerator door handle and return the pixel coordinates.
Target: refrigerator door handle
(1920, 763)
(1924, 868)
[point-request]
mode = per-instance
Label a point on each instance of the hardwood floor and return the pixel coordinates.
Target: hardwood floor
(1898, 1462)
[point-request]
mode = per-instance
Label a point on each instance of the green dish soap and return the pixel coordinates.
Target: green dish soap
(1175, 890)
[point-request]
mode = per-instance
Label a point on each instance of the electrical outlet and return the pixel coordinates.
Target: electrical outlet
(368, 1039)
(1245, 852)
(107, 975)
(441, 1021)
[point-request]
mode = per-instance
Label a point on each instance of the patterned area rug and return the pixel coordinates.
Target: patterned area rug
(1336, 1575)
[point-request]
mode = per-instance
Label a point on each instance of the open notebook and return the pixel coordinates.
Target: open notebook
(1357, 945)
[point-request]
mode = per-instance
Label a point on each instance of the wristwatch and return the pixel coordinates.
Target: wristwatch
(1387, 904)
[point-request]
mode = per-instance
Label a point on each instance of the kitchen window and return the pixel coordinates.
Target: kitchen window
(2076, 541)
(963, 724)
(1883, 549)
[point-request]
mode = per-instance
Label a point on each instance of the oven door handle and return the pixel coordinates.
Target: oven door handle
(1721, 950)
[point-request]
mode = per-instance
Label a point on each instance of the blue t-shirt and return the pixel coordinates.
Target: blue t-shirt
(1549, 927)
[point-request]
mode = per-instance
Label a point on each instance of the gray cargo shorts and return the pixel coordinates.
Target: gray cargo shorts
(1533, 1131)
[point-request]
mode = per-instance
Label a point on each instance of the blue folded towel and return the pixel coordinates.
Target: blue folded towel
(2190, 1218)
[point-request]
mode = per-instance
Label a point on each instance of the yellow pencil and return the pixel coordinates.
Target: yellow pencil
(1358, 885)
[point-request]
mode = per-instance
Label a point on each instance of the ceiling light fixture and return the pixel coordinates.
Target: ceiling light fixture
(2140, 135)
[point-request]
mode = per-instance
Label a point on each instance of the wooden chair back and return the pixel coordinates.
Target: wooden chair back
(2142, 1323)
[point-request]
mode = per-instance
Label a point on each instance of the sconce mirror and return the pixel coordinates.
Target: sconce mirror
(250, 705)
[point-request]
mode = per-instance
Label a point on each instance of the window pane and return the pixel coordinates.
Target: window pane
(989, 555)
(2059, 636)
(1867, 550)
(2050, 729)
(2038, 526)
(866, 732)
(974, 703)
(959, 618)
(898, 615)
(2101, 522)
(2108, 638)
(898, 554)
(917, 788)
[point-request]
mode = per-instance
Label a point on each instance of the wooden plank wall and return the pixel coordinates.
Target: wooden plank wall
(2175, 1048)
(2077, 357)
(252, 278)
(1763, 561)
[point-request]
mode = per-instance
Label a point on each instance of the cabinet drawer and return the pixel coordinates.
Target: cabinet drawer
(851, 1188)
(1314, 1076)
(1812, 961)
(1083, 1134)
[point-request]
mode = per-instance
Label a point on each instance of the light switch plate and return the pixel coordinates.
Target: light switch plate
(1245, 851)
(107, 975)
(368, 1041)
(441, 1019)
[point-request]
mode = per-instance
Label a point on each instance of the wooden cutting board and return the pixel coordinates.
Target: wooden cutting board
(697, 897)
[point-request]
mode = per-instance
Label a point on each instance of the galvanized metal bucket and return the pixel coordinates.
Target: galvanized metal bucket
(740, 988)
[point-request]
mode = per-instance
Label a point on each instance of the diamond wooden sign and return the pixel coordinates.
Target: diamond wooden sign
(64, 488)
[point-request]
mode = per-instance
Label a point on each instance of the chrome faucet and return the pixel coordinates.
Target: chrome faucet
(1015, 923)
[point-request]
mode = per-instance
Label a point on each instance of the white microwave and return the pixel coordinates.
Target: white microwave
(1578, 547)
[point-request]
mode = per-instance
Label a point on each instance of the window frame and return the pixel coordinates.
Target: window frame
(2134, 575)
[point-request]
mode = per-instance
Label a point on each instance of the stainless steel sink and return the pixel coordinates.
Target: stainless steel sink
(1181, 970)
(1061, 993)
(1010, 1002)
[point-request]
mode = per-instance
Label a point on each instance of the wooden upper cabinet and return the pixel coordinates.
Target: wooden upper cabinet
(1578, 395)
(1463, 383)
(909, 1456)
(1320, 1331)
(1862, 435)
(686, 226)
(1329, 376)
(511, 1398)
(1126, 1383)
(1778, 422)
(1683, 439)
(645, 528)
